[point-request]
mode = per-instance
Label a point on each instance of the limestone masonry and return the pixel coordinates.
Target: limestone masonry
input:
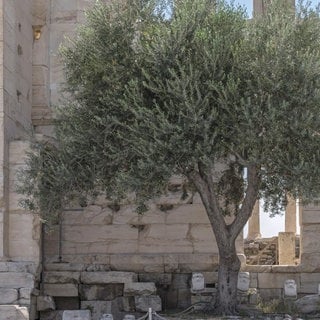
(104, 259)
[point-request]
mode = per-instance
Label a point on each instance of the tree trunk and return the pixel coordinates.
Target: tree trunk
(229, 267)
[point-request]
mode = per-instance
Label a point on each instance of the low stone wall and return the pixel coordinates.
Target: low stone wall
(18, 290)
(269, 280)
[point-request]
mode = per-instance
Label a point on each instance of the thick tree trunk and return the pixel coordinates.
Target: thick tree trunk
(229, 266)
(226, 234)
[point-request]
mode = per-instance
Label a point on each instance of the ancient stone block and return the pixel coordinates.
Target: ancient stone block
(101, 292)
(311, 238)
(45, 303)
(143, 303)
(309, 282)
(310, 216)
(76, 314)
(98, 308)
(197, 282)
(157, 278)
(310, 262)
(137, 262)
(125, 304)
(243, 281)
(139, 288)
(8, 296)
(16, 280)
(290, 289)
(210, 277)
(184, 298)
(108, 277)
(65, 267)
(13, 312)
(197, 262)
(287, 246)
(61, 290)
(188, 213)
(51, 315)
(61, 277)
(308, 304)
(275, 280)
(91, 215)
(25, 293)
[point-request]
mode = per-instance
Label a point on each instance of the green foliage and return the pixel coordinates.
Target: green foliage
(150, 96)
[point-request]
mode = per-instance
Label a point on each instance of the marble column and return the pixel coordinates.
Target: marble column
(291, 216)
(254, 223)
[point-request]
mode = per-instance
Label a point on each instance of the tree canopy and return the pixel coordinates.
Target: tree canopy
(231, 104)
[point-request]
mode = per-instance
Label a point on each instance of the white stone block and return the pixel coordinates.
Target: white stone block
(197, 282)
(290, 289)
(76, 315)
(13, 312)
(243, 281)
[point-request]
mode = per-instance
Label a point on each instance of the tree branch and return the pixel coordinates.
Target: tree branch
(204, 185)
(250, 198)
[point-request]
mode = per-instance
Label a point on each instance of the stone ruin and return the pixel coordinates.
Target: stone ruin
(103, 259)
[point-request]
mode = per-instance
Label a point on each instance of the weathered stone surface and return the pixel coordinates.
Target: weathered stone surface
(67, 303)
(139, 288)
(51, 315)
(287, 246)
(311, 238)
(309, 282)
(25, 293)
(98, 233)
(143, 303)
(65, 267)
(61, 277)
(60, 290)
(160, 238)
(101, 292)
(189, 214)
(137, 262)
(8, 296)
(108, 277)
(203, 238)
(16, 280)
(76, 314)
(310, 216)
(210, 277)
(276, 280)
(13, 312)
(186, 263)
(98, 308)
(91, 215)
(308, 304)
(157, 278)
(310, 262)
(268, 294)
(45, 303)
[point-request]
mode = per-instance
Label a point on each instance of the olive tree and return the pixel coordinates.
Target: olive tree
(230, 104)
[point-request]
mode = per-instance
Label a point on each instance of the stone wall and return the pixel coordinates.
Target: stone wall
(159, 240)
